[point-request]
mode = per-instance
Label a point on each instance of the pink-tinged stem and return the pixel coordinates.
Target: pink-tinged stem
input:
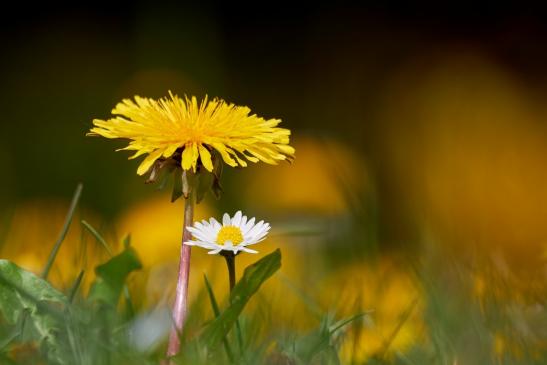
(181, 298)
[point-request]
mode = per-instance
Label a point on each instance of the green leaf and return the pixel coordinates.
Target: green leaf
(20, 290)
(214, 303)
(23, 294)
(253, 277)
(111, 277)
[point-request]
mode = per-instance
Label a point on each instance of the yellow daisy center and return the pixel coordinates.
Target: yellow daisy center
(230, 233)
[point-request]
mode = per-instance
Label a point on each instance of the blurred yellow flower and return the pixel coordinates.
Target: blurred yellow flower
(189, 131)
(392, 296)
(325, 179)
(468, 146)
(512, 308)
(154, 226)
(32, 232)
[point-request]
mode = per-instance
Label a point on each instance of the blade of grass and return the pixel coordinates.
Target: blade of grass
(239, 336)
(216, 311)
(66, 225)
(97, 236)
(130, 308)
(343, 322)
(405, 316)
(74, 289)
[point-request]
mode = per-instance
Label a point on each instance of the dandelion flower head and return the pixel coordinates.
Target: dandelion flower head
(191, 132)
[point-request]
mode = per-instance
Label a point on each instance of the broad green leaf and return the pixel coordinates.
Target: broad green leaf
(20, 290)
(24, 294)
(111, 276)
(248, 285)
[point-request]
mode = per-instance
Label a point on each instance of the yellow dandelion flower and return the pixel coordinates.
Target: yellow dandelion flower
(190, 131)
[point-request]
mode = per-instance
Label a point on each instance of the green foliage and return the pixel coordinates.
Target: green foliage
(216, 312)
(111, 277)
(21, 290)
(41, 325)
(253, 277)
(319, 346)
(33, 304)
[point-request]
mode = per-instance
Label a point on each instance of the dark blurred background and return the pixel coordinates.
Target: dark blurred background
(441, 104)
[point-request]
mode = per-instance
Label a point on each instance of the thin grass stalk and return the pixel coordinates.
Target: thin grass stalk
(62, 235)
(216, 312)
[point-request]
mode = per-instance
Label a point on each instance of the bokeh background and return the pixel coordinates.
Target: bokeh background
(419, 188)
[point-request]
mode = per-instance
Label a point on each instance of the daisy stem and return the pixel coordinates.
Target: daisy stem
(181, 296)
(231, 264)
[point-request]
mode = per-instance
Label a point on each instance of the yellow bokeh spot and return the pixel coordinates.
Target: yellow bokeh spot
(32, 232)
(324, 179)
(155, 226)
(229, 233)
(476, 169)
(386, 290)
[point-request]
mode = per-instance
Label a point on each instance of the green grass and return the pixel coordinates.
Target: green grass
(41, 325)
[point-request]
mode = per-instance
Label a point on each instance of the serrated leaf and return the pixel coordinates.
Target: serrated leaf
(111, 277)
(253, 277)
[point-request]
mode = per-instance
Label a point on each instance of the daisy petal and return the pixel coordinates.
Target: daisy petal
(226, 220)
(245, 249)
(236, 219)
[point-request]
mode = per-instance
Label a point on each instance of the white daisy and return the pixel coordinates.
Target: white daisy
(234, 234)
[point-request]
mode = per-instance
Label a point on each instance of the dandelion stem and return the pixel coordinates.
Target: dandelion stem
(181, 296)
